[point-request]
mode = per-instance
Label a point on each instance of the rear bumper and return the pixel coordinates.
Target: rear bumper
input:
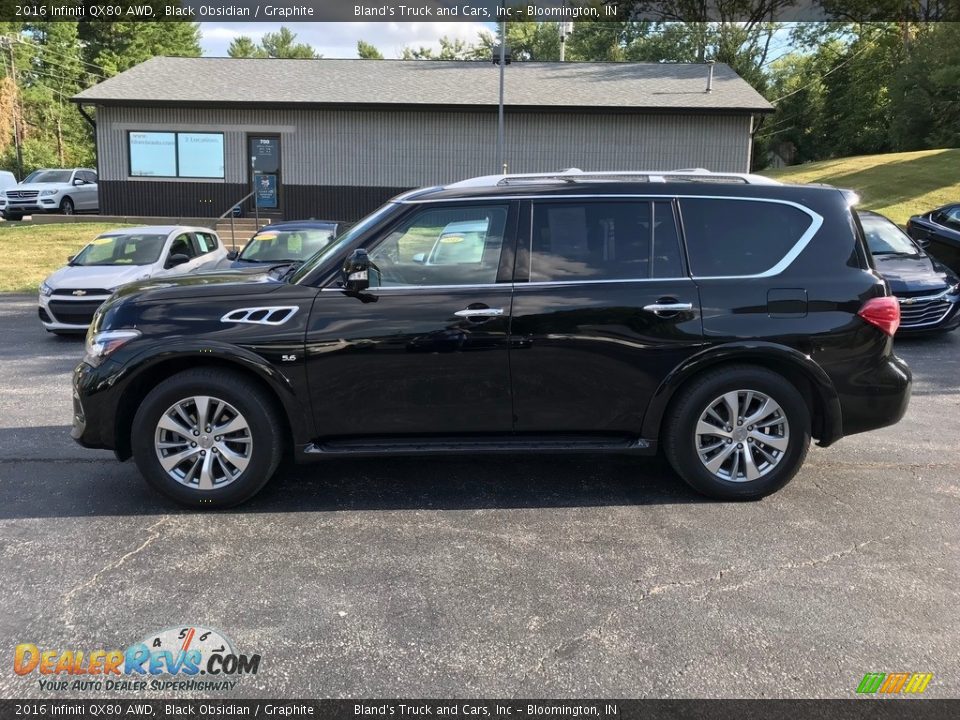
(876, 397)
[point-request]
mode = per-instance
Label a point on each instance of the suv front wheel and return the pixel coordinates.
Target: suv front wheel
(738, 433)
(207, 438)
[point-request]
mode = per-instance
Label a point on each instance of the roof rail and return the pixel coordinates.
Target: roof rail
(575, 175)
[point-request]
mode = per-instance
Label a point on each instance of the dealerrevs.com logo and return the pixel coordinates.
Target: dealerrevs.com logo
(181, 658)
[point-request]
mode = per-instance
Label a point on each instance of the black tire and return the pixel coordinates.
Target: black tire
(66, 207)
(13, 217)
(239, 391)
(679, 434)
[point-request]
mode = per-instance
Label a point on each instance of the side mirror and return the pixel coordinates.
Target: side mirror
(420, 258)
(176, 259)
(70, 258)
(79, 181)
(233, 255)
(356, 271)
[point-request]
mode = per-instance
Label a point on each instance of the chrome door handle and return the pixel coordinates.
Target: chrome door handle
(668, 307)
(479, 312)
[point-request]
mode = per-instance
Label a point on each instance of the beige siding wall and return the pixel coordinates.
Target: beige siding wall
(408, 149)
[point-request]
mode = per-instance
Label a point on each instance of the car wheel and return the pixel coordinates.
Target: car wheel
(12, 216)
(66, 206)
(207, 438)
(738, 433)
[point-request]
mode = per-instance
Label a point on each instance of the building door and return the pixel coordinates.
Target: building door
(264, 173)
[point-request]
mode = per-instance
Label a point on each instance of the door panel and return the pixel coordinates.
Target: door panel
(588, 358)
(402, 362)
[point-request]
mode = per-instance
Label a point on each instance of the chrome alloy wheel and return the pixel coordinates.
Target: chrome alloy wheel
(742, 436)
(203, 442)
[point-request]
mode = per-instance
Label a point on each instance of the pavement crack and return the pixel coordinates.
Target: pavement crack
(153, 533)
(570, 645)
(839, 500)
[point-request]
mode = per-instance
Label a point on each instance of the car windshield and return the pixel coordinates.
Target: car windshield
(286, 245)
(126, 249)
(885, 238)
(342, 242)
(48, 176)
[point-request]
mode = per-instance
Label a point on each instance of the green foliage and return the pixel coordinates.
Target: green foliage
(280, 44)
(118, 46)
(368, 51)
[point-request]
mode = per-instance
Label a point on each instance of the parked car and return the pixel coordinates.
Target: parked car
(7, 180)
(278, 243)
(938, 232)
(723, 322)
(70, 296)
(929, 292)
(50, 190)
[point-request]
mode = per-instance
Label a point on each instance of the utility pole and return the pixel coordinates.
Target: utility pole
(565, 29)
(17, 106)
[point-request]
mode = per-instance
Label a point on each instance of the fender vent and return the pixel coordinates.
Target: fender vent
(275, 315)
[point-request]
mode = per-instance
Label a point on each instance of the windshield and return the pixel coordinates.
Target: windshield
(343, 241)
(48, 176)
(127, 249)
(885, 238)
(284, 245)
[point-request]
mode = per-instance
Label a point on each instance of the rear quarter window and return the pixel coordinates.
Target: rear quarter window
(730, 237)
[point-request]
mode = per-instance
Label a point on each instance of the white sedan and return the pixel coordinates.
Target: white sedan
(70, 296)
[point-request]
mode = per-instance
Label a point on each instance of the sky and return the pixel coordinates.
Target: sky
(339, 40)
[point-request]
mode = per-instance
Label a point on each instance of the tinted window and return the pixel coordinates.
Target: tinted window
(739, 237)
(609, 240)
(444, 246)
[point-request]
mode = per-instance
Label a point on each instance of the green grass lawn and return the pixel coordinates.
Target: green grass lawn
(28, 253)
(896, 184)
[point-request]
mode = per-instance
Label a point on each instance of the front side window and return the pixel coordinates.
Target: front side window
(182, 246)
(727, 237)
(444, 246)
(172, 154)
(604, 240)
(127, 249)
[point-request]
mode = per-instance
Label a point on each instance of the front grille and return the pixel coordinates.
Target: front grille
(74, 313)
(80, 292)
(922, 311)
(22, 194)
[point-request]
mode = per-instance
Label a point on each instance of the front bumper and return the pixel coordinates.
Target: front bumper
(94, 405)
(33, 205)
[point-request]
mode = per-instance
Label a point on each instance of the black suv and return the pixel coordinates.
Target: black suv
(722, 321)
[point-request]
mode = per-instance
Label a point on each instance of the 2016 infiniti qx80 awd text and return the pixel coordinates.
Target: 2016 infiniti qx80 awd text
(724, 320)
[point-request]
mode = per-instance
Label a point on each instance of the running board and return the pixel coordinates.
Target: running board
(475, 445)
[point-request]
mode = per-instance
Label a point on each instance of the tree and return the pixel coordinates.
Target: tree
(450, 49)
(368, 51)
(280, 44)
(118, 46)
(244, 47)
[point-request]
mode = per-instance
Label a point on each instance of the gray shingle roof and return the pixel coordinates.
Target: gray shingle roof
(427, 82)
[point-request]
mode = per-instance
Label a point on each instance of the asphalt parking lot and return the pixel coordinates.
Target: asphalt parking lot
(483, 577)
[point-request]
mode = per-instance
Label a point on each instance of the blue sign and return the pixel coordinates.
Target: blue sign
(266, 187)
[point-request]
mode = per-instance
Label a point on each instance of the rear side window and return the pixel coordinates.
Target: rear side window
(207, 242)
(604, 240)
(727, 237)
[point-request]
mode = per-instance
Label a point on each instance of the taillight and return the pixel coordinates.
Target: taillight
(882, 312)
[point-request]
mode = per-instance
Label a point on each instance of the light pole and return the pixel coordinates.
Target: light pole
(501, 58)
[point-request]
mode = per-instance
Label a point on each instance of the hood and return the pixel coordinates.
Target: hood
(96, 276)
(38, 186)
(913, 274)
(201, 285)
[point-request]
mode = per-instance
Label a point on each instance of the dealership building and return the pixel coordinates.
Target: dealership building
(335, 138)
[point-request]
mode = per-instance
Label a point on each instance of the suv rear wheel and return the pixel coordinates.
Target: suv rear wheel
(207, 438)
(738, 433)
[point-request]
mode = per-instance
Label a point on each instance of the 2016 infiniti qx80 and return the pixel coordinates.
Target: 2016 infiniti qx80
(723, 320)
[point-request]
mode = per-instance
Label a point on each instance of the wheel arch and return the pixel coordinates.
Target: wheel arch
(809, 378)
(148, 375)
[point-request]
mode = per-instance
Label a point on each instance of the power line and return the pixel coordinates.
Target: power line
(828, 72)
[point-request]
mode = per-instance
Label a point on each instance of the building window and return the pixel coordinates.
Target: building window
(172, 154)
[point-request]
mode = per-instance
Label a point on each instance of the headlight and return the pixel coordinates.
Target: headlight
(955, 290)
(100, 344)
(45, 289)
(48, 192)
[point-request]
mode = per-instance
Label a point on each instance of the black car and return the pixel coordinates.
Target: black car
(285, 242)
(938, 232)
(929, 292)
(723, 322)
